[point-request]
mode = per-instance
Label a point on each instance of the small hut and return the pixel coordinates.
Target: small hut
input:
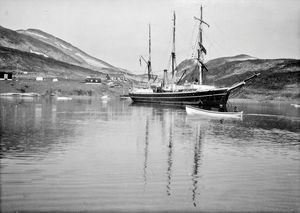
(6, 76)
(39, 78)
(92, 80)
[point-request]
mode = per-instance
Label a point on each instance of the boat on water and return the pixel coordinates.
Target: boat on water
(190, 110)
(205, 96)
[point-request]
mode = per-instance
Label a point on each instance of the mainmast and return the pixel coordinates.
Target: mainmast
(201, 49)
(173, 49)
(149, 59)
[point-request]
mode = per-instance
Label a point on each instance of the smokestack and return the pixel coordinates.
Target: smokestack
(165, 78)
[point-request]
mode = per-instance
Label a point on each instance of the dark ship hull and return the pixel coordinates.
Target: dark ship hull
(206, 99)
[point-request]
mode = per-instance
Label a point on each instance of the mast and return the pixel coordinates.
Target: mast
(149, 59)
(173, 49)
(201, 49)
(200, 56)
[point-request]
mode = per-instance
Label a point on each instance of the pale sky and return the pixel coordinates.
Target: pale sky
(116, 31)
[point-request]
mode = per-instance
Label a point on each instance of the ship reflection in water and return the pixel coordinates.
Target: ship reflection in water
(89, 155)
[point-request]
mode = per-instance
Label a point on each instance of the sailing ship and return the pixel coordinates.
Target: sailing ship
(205, 96)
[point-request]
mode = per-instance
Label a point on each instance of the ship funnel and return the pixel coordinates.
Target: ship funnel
(165, 77)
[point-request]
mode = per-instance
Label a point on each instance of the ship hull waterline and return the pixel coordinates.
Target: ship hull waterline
(205, 99)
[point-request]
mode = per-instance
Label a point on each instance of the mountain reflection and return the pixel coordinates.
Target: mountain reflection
(29, 127)
(33, 127)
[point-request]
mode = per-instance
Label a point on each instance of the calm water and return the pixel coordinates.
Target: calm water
(93, 155)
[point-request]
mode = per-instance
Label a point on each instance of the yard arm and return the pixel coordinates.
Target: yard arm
(142, 58)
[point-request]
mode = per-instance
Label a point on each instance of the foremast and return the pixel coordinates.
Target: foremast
(201, 49)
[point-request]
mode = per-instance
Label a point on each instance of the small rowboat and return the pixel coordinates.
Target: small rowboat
(197, 111)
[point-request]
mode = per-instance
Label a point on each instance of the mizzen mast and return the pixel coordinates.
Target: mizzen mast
(201, 49)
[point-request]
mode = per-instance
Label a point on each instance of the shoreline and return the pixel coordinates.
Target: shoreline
(73, 88)
(63, 88)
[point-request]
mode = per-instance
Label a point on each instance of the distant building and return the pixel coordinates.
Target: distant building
(115, 77)
(92, 80)
(39, 78)
(6, 76)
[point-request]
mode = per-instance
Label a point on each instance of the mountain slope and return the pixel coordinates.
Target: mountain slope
(46, 45)
(67, 48)
(14, 40)
(220, 61)
(37, 65)
(276, 74)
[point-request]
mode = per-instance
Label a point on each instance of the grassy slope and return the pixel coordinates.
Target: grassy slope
(278, 79)
(12, 39)
(68, 48)
(37, 41)
(70, 77)
(16, 61)
(61, 88)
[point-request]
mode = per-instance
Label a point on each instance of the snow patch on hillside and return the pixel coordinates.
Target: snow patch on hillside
(241, 58)
(91, 61)
(63, 46)
(36, 34)
(39, 53)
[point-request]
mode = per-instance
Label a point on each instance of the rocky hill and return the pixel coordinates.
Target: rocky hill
(37, 65)
(38, 53)
(38, 44)
(279, 77)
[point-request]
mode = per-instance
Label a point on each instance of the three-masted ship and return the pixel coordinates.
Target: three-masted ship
(205, 96)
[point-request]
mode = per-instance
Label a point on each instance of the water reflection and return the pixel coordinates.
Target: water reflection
(173, 125)
(146, 150)
(29, 127)
(170, 157)
(197, 161)
(89, 155)
(34, 126)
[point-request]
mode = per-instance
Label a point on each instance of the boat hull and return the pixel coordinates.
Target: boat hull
(197, 111)
(205, 99)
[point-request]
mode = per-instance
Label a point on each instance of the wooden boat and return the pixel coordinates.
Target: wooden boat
(206, 96)
(198, 111)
